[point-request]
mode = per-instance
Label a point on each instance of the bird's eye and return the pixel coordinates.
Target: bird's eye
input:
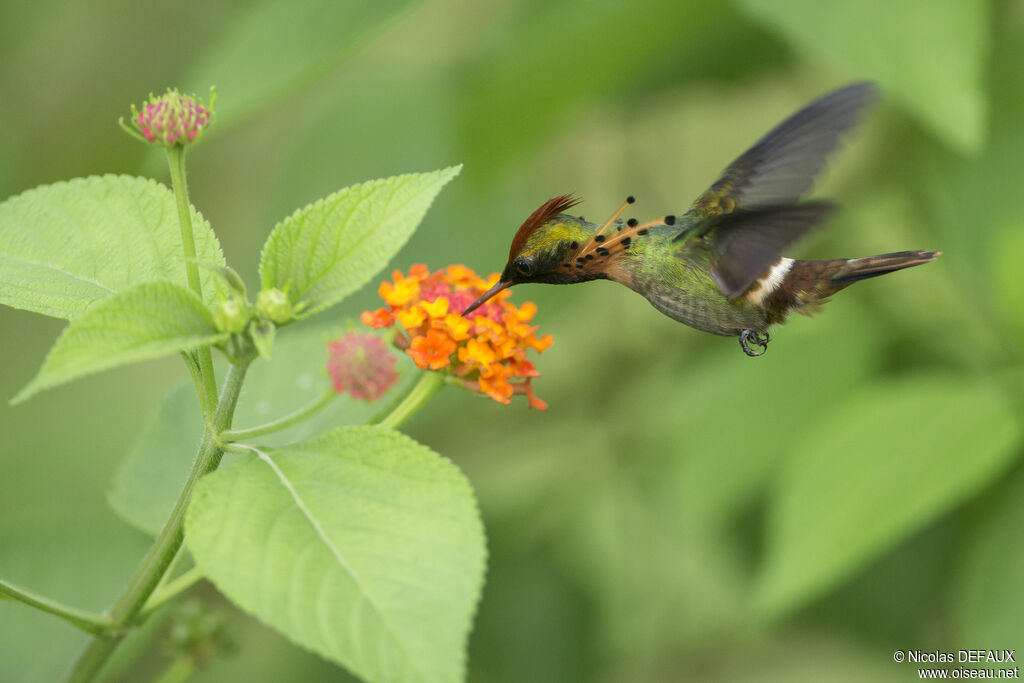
(524, 266)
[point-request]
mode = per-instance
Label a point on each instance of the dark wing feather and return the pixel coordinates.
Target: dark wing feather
(783, 164)
(749, 242)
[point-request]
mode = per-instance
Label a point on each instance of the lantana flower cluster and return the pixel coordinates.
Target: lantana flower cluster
(361, 365)
(485, 351)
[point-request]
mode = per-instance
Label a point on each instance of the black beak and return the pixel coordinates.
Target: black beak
(502, 284)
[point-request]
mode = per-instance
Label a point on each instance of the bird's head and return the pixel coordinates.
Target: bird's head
(540, 246)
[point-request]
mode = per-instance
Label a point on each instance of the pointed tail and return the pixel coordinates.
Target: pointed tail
(807, 285)
(858, 269)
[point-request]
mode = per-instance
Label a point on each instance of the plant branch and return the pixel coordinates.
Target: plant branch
(91, 622)
(171, 590)
(166, 545)
(179, 671)
(176, 162)
(197, 379)
(281, 423)
(170, 571)
(430, 383)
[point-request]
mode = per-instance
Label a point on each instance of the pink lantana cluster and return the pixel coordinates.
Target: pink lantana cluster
(361, 365)
(172, 118)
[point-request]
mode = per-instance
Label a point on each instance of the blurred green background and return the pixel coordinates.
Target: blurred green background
(681, 512)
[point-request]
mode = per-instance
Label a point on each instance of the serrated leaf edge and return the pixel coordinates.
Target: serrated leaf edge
(34, 387)
(282, 225)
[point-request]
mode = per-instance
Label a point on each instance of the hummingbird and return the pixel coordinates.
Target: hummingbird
(718, 267)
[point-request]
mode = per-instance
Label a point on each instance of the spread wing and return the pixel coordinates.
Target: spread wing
(782, 165)
(750, 214)
(747, 243)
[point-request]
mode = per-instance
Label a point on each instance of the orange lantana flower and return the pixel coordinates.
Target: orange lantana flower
(432, 351)
(404, 290)
(377, 319)
(485, 351)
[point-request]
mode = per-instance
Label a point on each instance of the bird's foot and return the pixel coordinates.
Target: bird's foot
(751, 341)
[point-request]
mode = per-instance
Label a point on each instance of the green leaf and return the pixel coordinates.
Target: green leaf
(361, 545)
(989, 593)
(147, 321)
(63, 247)
(934, 60)
(331, 248)
(886, 462)
(149, 479)
(308, 44)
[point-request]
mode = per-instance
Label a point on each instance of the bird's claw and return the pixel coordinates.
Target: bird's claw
(750, 338)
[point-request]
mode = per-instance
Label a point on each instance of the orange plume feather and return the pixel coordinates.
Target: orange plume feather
(542, 215)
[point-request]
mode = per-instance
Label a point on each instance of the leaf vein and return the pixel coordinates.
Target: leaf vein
(338, 556)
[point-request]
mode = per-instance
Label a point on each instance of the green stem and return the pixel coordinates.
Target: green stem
(180, 670)
(166, 545)
(197, 378)
(173, 588)
(430, 383)
(87, 621)
(176, 162)
(279, 424)
(169, 573)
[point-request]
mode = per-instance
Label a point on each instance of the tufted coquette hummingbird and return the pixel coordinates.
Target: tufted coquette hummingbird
(718, 267)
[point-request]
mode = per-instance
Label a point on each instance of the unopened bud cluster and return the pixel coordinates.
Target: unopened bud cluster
(274, 305)
(172, 118)
(232, 315)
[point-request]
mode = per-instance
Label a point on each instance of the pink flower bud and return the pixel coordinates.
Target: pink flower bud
(172, 118)
(361, 365)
